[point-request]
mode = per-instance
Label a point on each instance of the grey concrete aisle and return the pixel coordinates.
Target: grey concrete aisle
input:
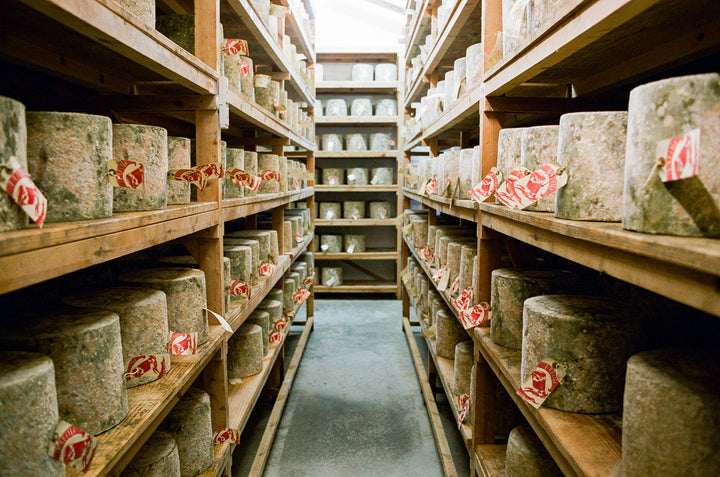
(355, 408)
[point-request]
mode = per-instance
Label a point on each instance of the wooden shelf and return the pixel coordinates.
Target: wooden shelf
(356, 188)
(356, 154)
(326, 87)
(581, 444)
(294, 28)
(462, 116)
(57, 249)
(359, 287)
(490, 460)
(262, 45)
(685, 269)
(252, 114)
(607, 43)
(420, 28)
(239, 311)
(389, 222)
(460, 208)
(367, 255)
(149, 404)
(356, 121)
(242, 207)
(449, 45)
(85, 30)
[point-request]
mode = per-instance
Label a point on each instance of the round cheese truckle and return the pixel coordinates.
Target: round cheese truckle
(190, 424)
(67, 158)
(179, 157)
(592, 337)
(262, 319)
(449, 333)
(539, 147)
(87, 354)
(158, 457)
(462, 367)
(527, 457)
(659, 112)
(143, 320)
(29, 414)
(13, 143)
(186, 297)
(670, 415)
(245, 351)
(591, 148)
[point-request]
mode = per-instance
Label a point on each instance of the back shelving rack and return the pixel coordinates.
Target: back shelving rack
(597, 49)
(386, 230)
(104, 60)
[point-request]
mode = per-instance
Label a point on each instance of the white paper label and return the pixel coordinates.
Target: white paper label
(679, 157)
(546, 377)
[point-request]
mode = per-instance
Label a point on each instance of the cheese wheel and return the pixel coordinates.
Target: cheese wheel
(235, 160)
(288, 291)
(380, 210)
(332, 176)
(540, 147)
(67, 158)
(353, 209)
(592, 337)
(273, 308)
(263, 237)
(250, 162)
(443, 240)
(462, 366)
(241, 263)
(283, 173)
(255, 253)
(420, 231)
(332, 142)
(386, 107)
(355, 141)
(29, 414)
(190, 424)
(357, 176)
(474, 56)
(186, 297)
(246, 348)
(510, 288)
(13, 143)
(247, 77)
(261, 318)
(143, 320)
(288, 236)
(331, 243)
(381, 176)
(87, 354)
(591, 148)
(361, 107)
(509, 155)
(362, 72)
(158, 457)
(308, 258)
(332, 276)
(454, 252)
(381, 142)
(527, 457)
(149, 146)
(385, 72)
(670, 415)
(180, 28)
(330, 211)
(449, 333)
(179, 157)
(658, 112)
(276, 294)
(467, 257)
(354, 243)
(460, 68)
(301, 269)
(335, 107)
(271, 163)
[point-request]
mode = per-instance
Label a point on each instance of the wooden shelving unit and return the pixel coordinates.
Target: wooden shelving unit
(339, 86)
(104, 60)
(600, 48)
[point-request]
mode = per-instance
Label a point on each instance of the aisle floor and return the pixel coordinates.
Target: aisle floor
(356, 406)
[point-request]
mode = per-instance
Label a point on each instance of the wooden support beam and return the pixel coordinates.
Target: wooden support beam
(370, 273)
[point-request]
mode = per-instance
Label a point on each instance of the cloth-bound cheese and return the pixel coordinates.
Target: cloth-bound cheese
(186, 297)
(143, 320)
(540, 147)
(158, 457)
(261, 317)
(245, 351)
(658, 113)
(13, 143)
(86, 351)
(527, 457)
(591, 148)
(190, 424)
(593, 337)
(462, 367)
(449, 333)
(254, 252)
(29, 414)
(142, 9)
(332, 276)
(67, 158)
(179, 157)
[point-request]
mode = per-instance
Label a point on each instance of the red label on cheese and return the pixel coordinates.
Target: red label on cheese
(538, 185)
(193, 176)
(126, 174)
(244, 68)
(276, 337)
(242, 178)
(18, 185)
(236, 47)
(226, 435)
(464, 301)
(211, 171)
(280, 325)
(301, 295)
(463, 404)
(308, 282)
(298, 238)
(73, 446)
(268, 175)
(183, 344)
(240, 289)
(542, 382)
(431, 186)
(149, 365)
(475, 316)
(679, 156)
(487, 186)
(267, 269)
(383, 213)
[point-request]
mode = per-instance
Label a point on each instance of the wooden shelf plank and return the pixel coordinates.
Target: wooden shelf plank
(490, 460)
(149, 404)
(388, 87)
(460, 208)
(356, 154)
(56, 250)
(685, 269)
(294, 28)
(389, 222)
(356, 188)
(356, 121)
(463, 115)
(581, 444)
(368, 255)
(239, 311)
(245, 206)
(420, 29)
(359, 287)
(107, 23)
(251, 112)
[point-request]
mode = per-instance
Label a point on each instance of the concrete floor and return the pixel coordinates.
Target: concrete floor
(356, 408)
